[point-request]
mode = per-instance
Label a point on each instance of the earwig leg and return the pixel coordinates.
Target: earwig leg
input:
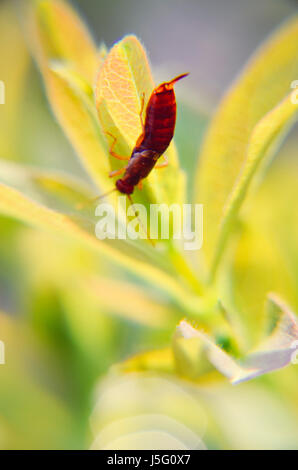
(117, 172)
(111, 149)
(140, 185)
(162, 165)
(142, 109)
(140, 222)
(119, 157)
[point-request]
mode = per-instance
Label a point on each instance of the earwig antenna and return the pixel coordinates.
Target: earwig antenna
(98, 198)
(140, 222)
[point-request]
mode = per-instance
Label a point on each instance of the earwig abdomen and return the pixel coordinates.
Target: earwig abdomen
(160, 121)
(139, 166)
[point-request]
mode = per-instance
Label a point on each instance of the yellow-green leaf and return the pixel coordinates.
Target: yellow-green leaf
(275, 352)
(121, 81)
(65, 37)
(54, 189)
(14, 61)
(266, 253)
(69, 91)
(235, 143)
(16, 205)
(161, 360)
(136, 304)
(196, 353)
(264, 140)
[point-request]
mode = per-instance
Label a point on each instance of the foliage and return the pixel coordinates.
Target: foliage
(86, 304)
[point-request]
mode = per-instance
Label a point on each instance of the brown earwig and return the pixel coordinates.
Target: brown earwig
(158, 131)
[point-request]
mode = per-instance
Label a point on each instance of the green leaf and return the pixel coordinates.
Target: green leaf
(57, 190)
(122, 79)
(243, 131)
(67, 77)
(278, 350)
(264, 140)
(133, 259)
(265, 256)
(160, 360)
(14, 61)
(136, 304)
(197, 354)
(64, 36)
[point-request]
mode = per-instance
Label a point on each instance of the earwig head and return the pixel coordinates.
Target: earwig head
(124, 187)
(166, 86)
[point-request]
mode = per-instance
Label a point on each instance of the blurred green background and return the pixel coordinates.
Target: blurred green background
(62, 324)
